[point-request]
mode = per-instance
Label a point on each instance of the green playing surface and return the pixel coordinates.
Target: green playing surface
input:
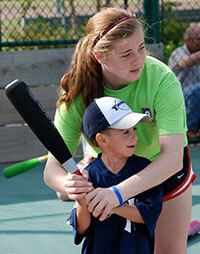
(33, 220)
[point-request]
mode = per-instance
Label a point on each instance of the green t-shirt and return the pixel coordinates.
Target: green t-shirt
(157, 92)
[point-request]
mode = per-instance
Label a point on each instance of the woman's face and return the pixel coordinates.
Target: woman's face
(125, 62)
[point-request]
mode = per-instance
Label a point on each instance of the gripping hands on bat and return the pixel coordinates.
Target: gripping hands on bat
(37, 119)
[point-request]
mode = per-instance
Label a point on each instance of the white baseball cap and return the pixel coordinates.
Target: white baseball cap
(109, 112)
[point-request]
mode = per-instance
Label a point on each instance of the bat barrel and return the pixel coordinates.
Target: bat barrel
(33, 114)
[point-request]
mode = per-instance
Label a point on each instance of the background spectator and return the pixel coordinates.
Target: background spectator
(185, 63)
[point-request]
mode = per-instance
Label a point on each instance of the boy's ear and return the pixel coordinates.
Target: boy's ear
(97, 55)
(100, 139)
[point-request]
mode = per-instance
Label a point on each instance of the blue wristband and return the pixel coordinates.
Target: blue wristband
(118, 194)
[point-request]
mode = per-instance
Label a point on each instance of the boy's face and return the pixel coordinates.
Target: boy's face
(121, 143)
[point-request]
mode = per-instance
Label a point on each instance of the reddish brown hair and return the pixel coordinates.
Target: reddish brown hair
(85, 74)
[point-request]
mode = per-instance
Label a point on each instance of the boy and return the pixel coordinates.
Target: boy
(108, 122)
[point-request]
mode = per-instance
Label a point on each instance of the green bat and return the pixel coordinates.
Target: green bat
(23, 166)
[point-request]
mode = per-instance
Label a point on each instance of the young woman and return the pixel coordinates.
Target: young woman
(111, 60)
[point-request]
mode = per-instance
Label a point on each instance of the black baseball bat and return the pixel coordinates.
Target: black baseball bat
(40, 123)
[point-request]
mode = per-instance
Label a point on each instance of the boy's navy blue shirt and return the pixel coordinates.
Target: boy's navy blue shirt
(116, 235)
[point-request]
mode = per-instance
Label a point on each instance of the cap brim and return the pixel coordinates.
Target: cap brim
(130, 120)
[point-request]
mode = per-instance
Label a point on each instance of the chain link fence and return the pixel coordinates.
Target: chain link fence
(53, 22)
(35, 23)
(50, 22)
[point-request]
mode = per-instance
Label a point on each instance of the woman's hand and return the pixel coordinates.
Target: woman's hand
(101, 201)
(77, 186)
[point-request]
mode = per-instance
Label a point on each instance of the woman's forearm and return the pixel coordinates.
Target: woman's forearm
(129, 212)
(167, 164)
(74, 186)
(54, 175)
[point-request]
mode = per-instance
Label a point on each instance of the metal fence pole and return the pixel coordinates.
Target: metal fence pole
(0, 27)
(152, 16)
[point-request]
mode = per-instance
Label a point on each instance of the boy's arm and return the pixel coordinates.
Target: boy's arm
(146, 209)
(149, 204)
(80, 221)
(129, 212)
(83, 217)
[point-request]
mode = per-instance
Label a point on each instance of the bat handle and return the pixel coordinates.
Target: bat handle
(71, 166)
(77, 172)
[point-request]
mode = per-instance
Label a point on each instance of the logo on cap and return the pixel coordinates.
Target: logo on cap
(119, 104)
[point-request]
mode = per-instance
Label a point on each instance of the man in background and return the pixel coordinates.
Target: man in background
(185, 63)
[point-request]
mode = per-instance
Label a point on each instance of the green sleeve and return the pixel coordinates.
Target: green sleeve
(170, 107)
(68, 124)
